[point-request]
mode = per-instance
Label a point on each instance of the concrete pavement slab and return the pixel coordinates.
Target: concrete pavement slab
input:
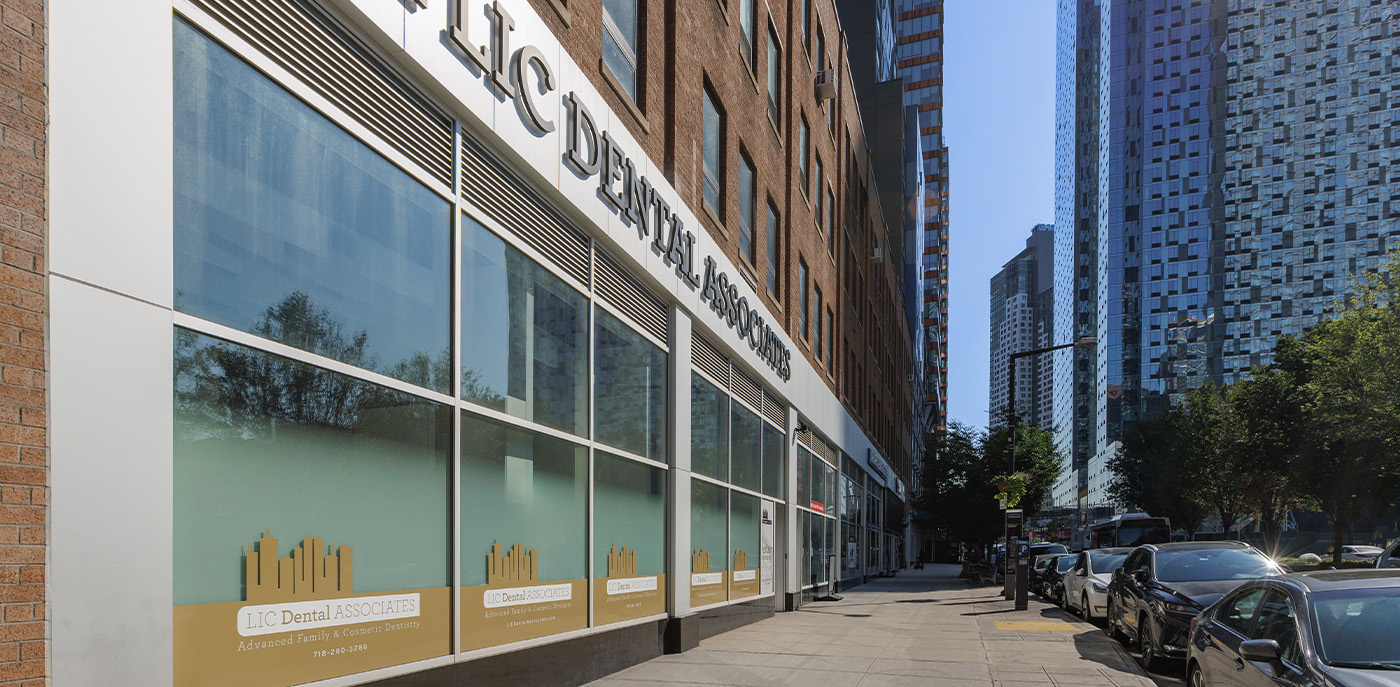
(921, 628)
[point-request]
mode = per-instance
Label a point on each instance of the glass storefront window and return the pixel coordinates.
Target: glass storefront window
(267, 446)
(744, 544)
(744, 456)
(829, 549)
(521, 487)
(816, 474)
(524, 335)
(629, 389)
(709, 522)
(829, 489)
(774, 442)
(629, 510)
(289, 228)
(804, 481)
(709, 429)
(815, 543)
(709, 543)
(804, 528)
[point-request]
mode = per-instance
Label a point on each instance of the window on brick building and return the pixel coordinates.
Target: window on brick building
(775, 76)
(830, 220)
(802, 298)
(714, 155)
(830, 330)
(817, 303)
(748, 207)
(746, 33)
(804, 141)
(817, 191)
(773, 228)
(807, 24)
(620, 43)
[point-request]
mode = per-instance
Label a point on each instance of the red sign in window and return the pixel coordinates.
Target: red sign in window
(819, 507)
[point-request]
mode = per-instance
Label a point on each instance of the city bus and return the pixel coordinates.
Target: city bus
(1129, 529)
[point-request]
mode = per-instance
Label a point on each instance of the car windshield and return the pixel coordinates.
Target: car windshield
(1357, 625)
(1048, 548)
(1106, 562)
(1212, 564)
(1064, 563)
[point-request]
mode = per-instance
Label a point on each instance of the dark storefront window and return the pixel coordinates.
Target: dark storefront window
(289, 228)
(538, 371)
(630, 389)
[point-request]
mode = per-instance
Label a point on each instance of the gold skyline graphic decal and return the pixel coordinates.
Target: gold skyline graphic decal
(700, 561)
(622, 563)
(519, 565)
(307, 573)
(741, 560)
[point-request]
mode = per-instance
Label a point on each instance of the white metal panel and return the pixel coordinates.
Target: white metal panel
(111, 145)
(110, 427)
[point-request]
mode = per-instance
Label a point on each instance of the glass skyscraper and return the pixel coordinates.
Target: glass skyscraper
(919, 62)
(1220, 172)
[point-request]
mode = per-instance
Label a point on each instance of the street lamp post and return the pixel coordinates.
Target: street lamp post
(1016, 575)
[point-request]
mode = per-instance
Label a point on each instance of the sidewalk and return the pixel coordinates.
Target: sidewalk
(924, 628)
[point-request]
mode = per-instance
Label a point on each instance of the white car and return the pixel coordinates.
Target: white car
(1086, 584)
(1356, 554)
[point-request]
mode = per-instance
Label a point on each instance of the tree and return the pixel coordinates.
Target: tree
(1207, 424)
(1155, 467)
(1036, 456)
(956, 489)
(1269, 434)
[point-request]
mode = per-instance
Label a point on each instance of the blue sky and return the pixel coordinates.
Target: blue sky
(999, 124)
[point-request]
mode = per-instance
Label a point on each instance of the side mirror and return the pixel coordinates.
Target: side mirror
(1081, 572)
(1140, 576)
(1263, 651)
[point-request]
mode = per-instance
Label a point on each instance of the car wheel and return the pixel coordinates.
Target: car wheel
(1084, 607)
(1147, 646)
(1197, 678)
(1112, 628)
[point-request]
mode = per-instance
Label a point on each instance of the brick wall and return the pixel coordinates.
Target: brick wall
(23, 327)
(686, 45)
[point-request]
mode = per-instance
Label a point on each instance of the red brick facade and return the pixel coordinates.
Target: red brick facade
(686, 47)
(23, 328)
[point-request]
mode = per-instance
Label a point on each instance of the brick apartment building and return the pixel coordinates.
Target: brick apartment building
(406, 342)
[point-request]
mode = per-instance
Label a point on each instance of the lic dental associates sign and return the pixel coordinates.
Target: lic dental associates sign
(593, 152)
(265, 619)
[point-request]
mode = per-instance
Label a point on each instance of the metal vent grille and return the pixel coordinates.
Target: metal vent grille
(621, 291)
(493, 187)
(746, 389)
(774, 410)
(705, 356)
(306, 42)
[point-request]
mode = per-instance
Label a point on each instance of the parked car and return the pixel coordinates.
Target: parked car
(1086, 583)
(1329, 627)
(1038, 567)
(1355, 554)
(1390, 558)
(1032, 551)
(1054, 583)
(1161, 587)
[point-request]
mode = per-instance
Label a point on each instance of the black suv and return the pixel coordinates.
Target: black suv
(1161, 587)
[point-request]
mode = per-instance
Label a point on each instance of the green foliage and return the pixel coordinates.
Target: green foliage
(959, 482)
(1318, 428)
